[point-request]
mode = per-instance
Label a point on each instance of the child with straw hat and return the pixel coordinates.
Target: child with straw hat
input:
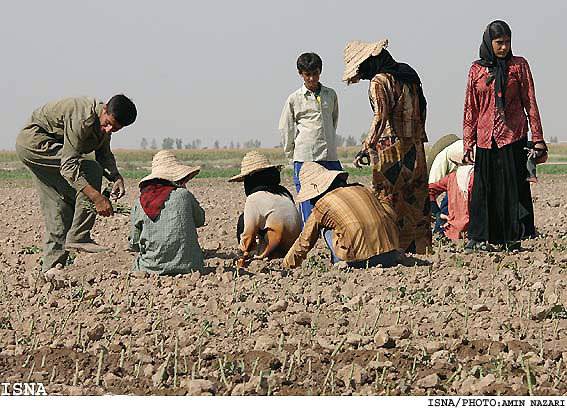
(357, 227)
(270, 220)
(165, 218)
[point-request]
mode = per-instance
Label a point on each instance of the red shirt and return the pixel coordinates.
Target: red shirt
(458, 218)
(481, 120)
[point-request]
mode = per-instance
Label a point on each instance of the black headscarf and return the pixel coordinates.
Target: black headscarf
(497, 67)
(385, 63)
(265, 180)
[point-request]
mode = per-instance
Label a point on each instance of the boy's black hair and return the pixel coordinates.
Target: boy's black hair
(309, 62)
(123, 109)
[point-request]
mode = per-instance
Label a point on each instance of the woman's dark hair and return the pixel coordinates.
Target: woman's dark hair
(499, 28)
(309, 62)
(338, 182)
(161, 182)
(123, 109)
(265, 177)
(265, 180)
(385, 63)
(369, 68)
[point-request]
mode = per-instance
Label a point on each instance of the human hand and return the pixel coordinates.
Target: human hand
(361, 159)
(103, 206)
(468, 158)
(539, 152)
(118, 189)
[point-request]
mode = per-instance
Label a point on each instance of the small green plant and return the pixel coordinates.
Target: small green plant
(118, 208)
(558, 312)
(30, 250)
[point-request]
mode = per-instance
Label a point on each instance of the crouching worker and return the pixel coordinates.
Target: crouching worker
(165, 218)
(454, 222)
(357, 227)
(53, 146)
(270, 223)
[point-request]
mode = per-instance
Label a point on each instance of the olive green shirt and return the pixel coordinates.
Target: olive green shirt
(62, 132)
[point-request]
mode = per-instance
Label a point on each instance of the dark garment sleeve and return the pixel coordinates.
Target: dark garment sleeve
(71, 156)
(471, 113)
(529, 102)
(135, 228)
(198, 212)
(106, 158)
(381, 102)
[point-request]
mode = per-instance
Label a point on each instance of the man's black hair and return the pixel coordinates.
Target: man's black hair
(123, 109)
(309, 62)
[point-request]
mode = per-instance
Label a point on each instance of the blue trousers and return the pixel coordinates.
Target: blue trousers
(305, 207)
(444, 209)
(388, 259)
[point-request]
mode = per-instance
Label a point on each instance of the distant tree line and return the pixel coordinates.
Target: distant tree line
(349, 140)
(178, 143)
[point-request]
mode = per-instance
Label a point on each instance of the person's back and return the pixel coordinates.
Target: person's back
(401, 99)
(53, 116)
(458, 186)
(363, 226)
(446, 161)
(169, 244)
(270, 211)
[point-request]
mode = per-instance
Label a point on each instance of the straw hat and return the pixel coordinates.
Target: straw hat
(252, 162)
(166, 166)
(315, 180)
(356, 52)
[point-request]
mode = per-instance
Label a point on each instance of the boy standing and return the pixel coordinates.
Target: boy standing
(308, 123)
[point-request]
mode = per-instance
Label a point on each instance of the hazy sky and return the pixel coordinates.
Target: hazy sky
(221, 70)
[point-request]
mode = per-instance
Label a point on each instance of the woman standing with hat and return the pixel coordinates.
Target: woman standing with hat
(165, 219)
(358, 228)
(500, 98)
(394, 145)
(270, 215)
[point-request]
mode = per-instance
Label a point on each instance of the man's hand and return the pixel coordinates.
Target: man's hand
(468, 158)
(118, 189)
(361, 159)
(103, 206)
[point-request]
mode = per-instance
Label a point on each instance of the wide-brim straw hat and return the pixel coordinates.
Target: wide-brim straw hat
(355, 54)
(315, 180)
(252, 162)
(167, 167)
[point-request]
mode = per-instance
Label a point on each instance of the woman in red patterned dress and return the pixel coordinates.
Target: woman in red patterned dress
(499, 101)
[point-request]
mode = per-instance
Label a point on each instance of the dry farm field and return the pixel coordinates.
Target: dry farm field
(453, 323)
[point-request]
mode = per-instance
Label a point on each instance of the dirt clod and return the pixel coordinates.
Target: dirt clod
(96, 332)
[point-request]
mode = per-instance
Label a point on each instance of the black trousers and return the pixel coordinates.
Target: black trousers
(501, 209)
